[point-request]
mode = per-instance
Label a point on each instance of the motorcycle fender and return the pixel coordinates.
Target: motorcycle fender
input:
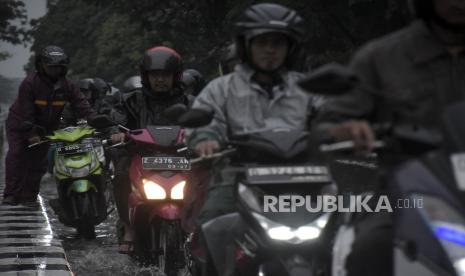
(81, 186)
(297, 266)
(167, 211)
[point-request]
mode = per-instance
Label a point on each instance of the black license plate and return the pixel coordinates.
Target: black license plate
(288, 174)
(165, 163)
(74, 149)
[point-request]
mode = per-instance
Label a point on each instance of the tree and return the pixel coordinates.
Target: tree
(12, 10)
(107, 37)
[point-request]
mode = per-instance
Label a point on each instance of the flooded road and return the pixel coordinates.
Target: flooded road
(101, 257)
(97, 257)
(93, 257)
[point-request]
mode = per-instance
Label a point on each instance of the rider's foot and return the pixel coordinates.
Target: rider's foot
(126, 245)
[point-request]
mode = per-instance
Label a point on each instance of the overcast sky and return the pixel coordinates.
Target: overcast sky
(13, 67)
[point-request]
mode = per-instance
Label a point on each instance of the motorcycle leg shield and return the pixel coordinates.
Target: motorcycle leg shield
(81, 186)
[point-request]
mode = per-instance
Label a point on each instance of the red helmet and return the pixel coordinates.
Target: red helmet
(161, 58)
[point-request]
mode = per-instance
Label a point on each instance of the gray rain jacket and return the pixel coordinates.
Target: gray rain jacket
(242, 106)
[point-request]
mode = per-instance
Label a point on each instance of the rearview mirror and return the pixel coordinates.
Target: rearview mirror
(174, 112)
(100, 121)
(194, 118)
(332, 79)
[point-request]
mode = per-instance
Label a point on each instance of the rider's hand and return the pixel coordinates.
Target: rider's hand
(207, 147)
(359, 132)
(33, 140)
(118, 138)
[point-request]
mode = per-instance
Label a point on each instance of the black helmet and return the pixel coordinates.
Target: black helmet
(52, 55)
(193, 81)
(86, 84)
(228, 55)
(101, 87)
(161, 58)
(132, 83)
(266, 18)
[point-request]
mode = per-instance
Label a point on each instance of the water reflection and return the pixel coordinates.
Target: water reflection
(93, 257)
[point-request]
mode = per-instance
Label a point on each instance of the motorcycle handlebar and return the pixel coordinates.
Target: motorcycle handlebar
(38, 143)
(213, 156)
(347, 145)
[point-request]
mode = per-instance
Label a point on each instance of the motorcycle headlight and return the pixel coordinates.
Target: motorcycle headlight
(153, 190)
(459, 266)
(177, 192)
(301, 234)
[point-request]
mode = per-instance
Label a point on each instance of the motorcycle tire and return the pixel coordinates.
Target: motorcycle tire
(85, 228)
(169, 238)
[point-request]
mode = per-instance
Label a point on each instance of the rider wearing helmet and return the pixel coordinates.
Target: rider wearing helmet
(161, 75)
(94, 90)
(228, 60)
(131, 84)
(193, 82)
(35, 112)
(407, 77)
(260, 94)
(87, 88)
(101, 88)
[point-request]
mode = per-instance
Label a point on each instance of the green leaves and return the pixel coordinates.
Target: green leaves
(13, 21)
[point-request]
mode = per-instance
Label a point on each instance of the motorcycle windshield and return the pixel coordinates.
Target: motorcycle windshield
(265, 200)
(71, 134)
(160, 136)
(269, 145)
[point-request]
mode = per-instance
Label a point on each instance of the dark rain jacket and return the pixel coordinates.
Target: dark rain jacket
(407, 77)
(41, 102)
(143, 107)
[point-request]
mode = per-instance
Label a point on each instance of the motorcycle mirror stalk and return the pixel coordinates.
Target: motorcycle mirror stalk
(330, 80)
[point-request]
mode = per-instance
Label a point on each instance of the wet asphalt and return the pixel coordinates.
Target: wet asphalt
(97, 257)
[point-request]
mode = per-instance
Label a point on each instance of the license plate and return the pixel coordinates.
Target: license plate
(165, 163)
(288, 174)
(74, 149)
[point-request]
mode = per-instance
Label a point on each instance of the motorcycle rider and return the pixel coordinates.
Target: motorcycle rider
(94, 90)
(161, 73)
(260, 94)
(193, 82)
(228, 60)
(409, 77)
(40, 102)
(131, 84)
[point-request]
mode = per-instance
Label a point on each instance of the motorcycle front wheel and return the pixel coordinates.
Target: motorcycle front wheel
(168, 237)
(83, 204)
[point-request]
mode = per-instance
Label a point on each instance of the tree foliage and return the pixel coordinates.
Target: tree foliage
(13, 20)
(106, 38)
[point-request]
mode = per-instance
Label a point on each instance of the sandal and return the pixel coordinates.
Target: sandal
(122, 249)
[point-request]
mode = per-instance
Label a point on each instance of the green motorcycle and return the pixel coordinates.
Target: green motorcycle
(83, 176)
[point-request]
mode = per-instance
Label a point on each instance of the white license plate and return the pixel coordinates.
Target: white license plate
(74, 149)
(165, 163)
(288, 174)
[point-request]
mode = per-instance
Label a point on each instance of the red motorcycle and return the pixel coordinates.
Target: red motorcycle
(158, 175)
